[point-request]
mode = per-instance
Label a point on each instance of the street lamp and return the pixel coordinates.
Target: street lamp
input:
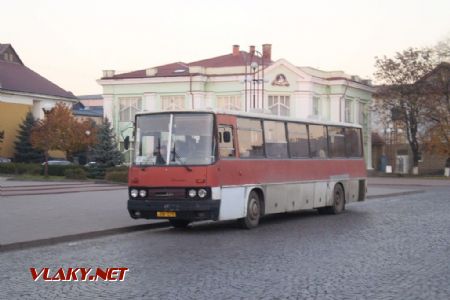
(255, 80)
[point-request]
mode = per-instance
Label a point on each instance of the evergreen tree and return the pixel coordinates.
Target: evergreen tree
(24, 151)
(105, 151)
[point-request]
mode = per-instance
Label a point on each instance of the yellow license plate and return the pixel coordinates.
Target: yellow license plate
(166, 214)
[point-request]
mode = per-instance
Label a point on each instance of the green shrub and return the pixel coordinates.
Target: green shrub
(75, 173)
(96, 171)
(57, 170)
(117, 169)
(7, 168)
(117, 176)
(25, 168)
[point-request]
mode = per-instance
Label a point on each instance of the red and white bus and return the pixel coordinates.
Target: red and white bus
(212, 165)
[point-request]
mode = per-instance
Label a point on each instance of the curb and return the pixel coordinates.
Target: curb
(80, 236)
(128, 229)
(395, 194)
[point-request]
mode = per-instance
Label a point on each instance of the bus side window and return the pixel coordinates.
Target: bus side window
(318, 141)
(226, 141)
(353, 142)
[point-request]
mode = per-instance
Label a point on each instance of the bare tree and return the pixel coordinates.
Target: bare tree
(442, 50)
(399, 95)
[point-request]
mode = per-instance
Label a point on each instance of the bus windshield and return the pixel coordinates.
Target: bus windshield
(174, 139)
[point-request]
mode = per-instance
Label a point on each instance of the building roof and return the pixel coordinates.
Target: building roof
(334, 75)
(162, 71)
(17, 77)
(182, 69)
(90, 97)
(78, 109)
(3, 47)
(88, 113)
(228, 60)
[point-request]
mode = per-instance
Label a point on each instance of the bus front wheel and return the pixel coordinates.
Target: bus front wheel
(338, 202)
(251, 220)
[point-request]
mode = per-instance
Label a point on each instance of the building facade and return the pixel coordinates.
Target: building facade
(23, 90)
(240, 80)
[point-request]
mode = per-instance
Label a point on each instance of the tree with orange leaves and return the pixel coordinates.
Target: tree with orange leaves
(437, 85)
(59, 130)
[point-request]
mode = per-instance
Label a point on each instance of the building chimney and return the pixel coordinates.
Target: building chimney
(267, 52)
(108, 73)
(252, 50)
(151, 72)
(235, 50)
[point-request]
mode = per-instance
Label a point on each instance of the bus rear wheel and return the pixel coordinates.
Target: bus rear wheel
(251, 220)
(179, 223)
(338, 202)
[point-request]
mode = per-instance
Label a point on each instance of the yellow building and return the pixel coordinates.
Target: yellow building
(23, 90)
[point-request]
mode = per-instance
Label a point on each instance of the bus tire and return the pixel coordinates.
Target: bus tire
(251, 220)
(338, 202)
(179, 223)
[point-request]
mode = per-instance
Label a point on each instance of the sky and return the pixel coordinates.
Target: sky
(71, 42)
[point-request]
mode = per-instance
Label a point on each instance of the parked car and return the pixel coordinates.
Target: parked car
(4, 160)
(91, 164)
(57, 162)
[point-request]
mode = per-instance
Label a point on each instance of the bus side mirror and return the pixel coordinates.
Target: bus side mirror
(226, 137)
(126, 143)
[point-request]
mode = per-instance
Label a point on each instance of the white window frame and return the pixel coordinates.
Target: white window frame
(229, 102)
(132, 104)
(279, 101)
(173, 102)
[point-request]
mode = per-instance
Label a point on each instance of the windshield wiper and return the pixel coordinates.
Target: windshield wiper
(175, 155)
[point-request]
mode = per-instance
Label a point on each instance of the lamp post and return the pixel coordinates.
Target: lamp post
(257, 71)
(391, 132)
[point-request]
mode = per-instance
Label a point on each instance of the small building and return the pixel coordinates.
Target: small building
(23, 90)
(239, 80)
(92, 102)
(84, 113)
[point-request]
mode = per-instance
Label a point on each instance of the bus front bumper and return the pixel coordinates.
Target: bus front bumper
(191, 210)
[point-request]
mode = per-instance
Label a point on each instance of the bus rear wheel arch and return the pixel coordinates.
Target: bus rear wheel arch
(338, 205)
(254, 210)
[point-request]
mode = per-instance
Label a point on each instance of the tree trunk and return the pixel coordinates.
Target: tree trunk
(447, 163)
(415, 151)
(46, 164)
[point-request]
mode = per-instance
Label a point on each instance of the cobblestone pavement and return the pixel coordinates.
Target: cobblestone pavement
(392, 248)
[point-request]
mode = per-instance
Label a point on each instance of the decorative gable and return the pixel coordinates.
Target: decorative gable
(8, 54)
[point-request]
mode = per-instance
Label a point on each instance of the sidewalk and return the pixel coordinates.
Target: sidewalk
(407, 181)
(33, 213)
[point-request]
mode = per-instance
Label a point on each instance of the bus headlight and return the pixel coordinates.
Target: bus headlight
(134, 193)
(202, 193)
(192, 193)
(142, 193)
